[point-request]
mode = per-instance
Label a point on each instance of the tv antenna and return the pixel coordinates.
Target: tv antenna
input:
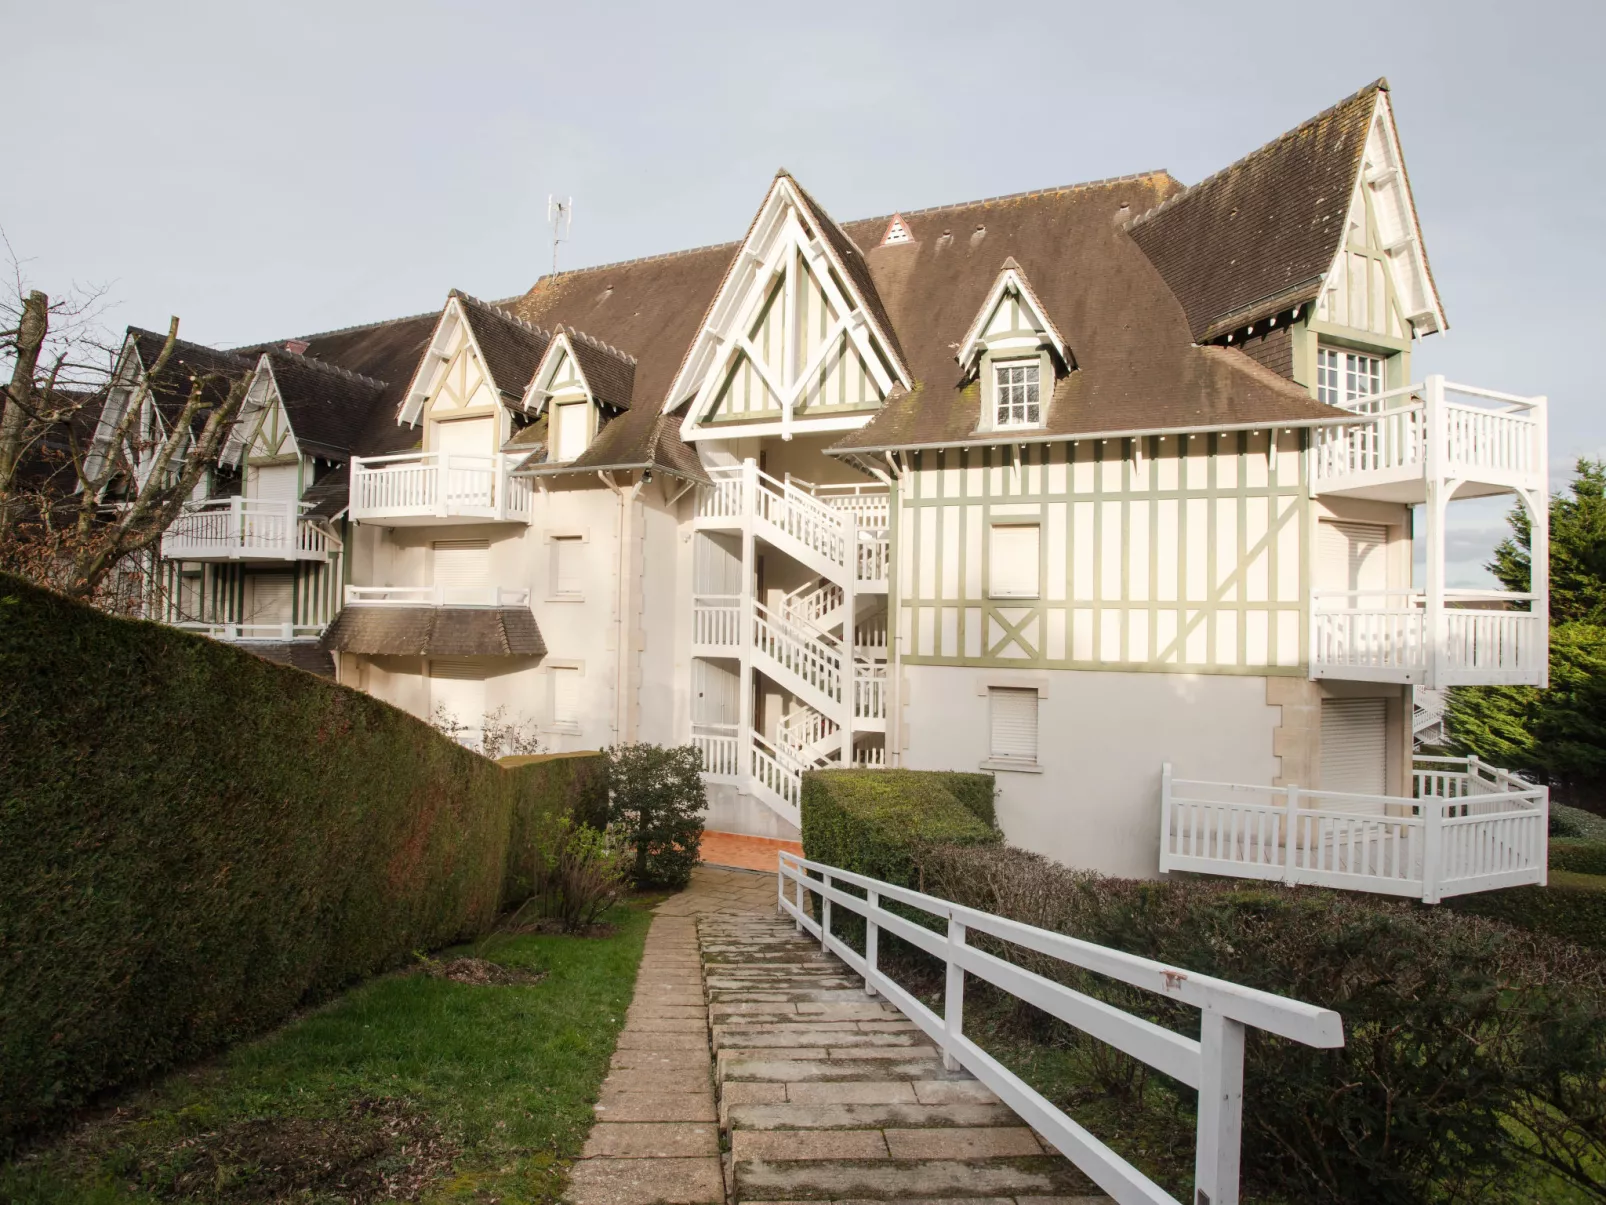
(559, 216)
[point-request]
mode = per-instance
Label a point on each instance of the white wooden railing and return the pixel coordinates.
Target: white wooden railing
(246, 529)
(1458, 431)
(1467, 828)
(719, 746)
(1384, 635)
(845, 529)
(229, 632)
(1212, 1064)
(805, 729)
(870, 690)
(716, 620)
(811, 657)
(438, 485)
(777, 771)
(811, 603)
(437, 596)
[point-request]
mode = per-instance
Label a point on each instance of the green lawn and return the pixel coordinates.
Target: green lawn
(483, 1092)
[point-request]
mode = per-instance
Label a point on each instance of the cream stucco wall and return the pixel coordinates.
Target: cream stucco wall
(1102, 736)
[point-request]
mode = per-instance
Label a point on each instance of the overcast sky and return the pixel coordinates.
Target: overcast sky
(272, 169)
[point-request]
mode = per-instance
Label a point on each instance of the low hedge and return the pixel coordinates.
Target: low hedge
(877, 822)
(194, 842)
(1580, 857)
(1572, 907)
(1474, 1057)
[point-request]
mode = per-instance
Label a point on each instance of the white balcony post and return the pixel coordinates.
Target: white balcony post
(442, 463)
(1539, 541)
(850, 667)
(953, 1000)
(498, 484)
(1291, 802)
(1436, 471)
(872, 941)
(744, 753)
(1221, 1109)
(825, 916)
(1432, 847)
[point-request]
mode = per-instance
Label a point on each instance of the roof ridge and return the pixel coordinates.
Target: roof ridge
(598, 344)
(1052, 190)
(1380, 84)
(264, 344)
(495, 308)
(625, 263)
(178, 343)
(325, 366)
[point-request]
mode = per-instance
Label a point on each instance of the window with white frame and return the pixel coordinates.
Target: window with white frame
(1343, 377)
(572, 426)
(567, 578)
(1012, 715)
(566, 697)
(1016, 386)
(1012, 561)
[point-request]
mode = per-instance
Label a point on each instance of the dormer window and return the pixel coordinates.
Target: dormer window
(572, 429)
(1017, 395)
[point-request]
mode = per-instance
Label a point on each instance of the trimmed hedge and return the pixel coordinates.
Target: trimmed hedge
(877, 822)
(1580, 857)
(194, 842)
(1572, 907)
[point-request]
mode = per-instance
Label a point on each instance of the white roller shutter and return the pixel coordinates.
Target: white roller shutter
(574, 429)
(466, 437)
(457, 689)
(1014, 723)
(566, 695)
(1354, 745)
(1352, 556)
(270, 598)
(275, 483)
(567, 555)
(1012, 566)
(462, 570)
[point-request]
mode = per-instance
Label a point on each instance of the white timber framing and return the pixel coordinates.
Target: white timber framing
(1011, 282)
(780, 242)
(438, 357)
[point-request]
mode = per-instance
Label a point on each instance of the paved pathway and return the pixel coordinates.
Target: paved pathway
(823, 1093)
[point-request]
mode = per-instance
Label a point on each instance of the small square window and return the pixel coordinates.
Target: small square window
(1018, 402)
(1013, 720)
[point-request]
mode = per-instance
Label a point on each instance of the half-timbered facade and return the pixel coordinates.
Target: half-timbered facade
(1106, 488)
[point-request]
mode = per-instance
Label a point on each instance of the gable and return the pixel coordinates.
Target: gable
(1379, 281)
(791, 338)
(1012, 317)
(452, 378)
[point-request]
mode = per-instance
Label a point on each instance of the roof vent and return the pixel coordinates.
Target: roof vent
(296, 347)
(897, 232)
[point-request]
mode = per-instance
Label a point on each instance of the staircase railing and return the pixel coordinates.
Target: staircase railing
(776, 769)
(811, 602)
(804, 729)
(813, 657)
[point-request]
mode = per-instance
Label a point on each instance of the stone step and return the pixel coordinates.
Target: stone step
(787, 1116)
(790, 1071)
(890, 1179)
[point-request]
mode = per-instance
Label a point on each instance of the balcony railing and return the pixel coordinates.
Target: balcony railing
(434, 487)
(1433, 429)
(436, 596)
(1467, 827)
(1476, 639)
(230, 632)
(246, 529)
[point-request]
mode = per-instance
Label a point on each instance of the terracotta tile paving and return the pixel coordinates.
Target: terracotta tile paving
(743, 852)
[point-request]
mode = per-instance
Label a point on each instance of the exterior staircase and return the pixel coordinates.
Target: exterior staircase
(824, 644)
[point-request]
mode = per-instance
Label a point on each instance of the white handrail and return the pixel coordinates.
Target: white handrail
(437, 596)
(1213, 1064)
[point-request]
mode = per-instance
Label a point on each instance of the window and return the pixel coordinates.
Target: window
(1012, 564)
(1343, 377)
(462, 571)
(573, 430)
(567, 581)
(1017, 395)
(1354, 745)
(457, 698)
(566, 697)
(1013, 714)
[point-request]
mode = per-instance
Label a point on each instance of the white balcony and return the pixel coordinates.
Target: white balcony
(418, 489)
(1467, 827)
(1476, 638)
(246, 529)
(436, 596)
(1477, 441)
(231, 633)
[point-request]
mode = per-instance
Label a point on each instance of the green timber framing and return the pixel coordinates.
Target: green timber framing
(1249, 496)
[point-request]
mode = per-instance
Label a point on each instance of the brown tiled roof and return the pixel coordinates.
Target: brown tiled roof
(435, 631)
(385, 351)
(1137, 366)
(512, 347)
(1258, 237)
(330, 494)
(189, 361)
(328, 406)
(637, 439)
(609, 373)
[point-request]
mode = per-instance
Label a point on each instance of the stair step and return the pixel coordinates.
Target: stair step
(865, 1116)
(791, 1071)
(888, 1179)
